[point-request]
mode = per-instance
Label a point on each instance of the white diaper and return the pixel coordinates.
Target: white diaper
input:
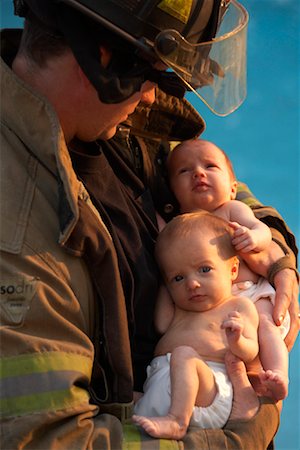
(157, 395)
(256, 291)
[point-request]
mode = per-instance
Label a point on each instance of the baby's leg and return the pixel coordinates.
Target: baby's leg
(187, 372)
(273, 353)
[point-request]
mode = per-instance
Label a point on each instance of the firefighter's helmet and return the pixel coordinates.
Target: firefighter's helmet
(202, 42)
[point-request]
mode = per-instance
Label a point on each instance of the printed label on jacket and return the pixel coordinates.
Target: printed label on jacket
(15, 299)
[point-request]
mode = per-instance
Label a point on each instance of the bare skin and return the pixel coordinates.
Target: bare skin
(245, 400)
(273, 382)
(167, 427)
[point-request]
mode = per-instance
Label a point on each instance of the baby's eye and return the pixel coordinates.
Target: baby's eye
(204, 269)
(183, 170)
(178, 278)
(211, 165)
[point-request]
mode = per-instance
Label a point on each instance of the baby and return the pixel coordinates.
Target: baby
(187, 383)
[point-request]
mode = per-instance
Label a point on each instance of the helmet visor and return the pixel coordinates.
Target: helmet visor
(215, 70)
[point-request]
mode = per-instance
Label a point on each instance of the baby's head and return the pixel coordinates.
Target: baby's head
(201, 176)
(196, 257)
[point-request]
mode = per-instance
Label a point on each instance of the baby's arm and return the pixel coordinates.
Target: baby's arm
(250, 234)
(241, 327)
(164, 310)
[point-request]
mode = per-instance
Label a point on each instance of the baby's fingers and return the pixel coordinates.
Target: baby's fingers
(233, 314)
(231, 325)
(239, 230)
(234, 225)
(232, 322)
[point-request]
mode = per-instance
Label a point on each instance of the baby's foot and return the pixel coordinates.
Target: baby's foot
(166, 427)
(276, 384)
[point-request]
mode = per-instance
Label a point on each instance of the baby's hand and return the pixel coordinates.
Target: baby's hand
(244, 240)
(233, 326)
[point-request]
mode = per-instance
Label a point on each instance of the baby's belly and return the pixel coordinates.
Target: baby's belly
(205, 344)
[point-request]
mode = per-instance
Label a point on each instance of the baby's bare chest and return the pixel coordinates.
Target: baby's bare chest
(206, 337)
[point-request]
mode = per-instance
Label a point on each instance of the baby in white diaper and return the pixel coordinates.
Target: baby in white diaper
(201, 320)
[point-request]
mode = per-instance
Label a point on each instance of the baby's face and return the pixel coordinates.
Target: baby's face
(199, 176)
(197, 277)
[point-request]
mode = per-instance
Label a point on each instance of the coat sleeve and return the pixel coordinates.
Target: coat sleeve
(47, 359)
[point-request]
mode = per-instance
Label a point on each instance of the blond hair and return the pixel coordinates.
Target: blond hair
(185, 224)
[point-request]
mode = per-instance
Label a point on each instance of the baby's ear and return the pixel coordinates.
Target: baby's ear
(233, 190)
(235, 268)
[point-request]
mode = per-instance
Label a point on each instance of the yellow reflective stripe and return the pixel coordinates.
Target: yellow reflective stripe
(168, 444)
(49, 401)
(44, 362)
(180, 9)
(131, 438)
(43, 381)
(135, 439)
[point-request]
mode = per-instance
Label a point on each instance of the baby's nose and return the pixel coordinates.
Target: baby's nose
(192, 283)
(198, 172)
